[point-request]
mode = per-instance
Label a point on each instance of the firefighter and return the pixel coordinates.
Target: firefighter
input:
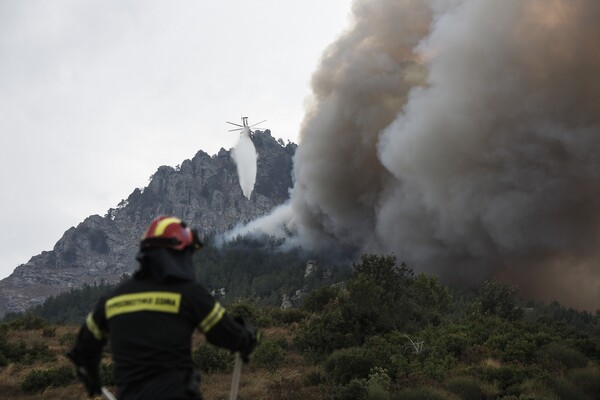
(149, 320)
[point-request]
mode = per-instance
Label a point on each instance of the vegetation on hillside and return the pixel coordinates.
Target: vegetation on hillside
(379, 332)
(386, 335)
(244, 267)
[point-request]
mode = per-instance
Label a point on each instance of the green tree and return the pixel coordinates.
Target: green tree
(499, 299)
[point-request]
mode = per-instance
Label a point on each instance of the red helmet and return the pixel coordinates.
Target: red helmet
(170, 232)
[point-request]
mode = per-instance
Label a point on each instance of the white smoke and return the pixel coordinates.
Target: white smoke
(277, 224)
(244, 155)
(464, 137)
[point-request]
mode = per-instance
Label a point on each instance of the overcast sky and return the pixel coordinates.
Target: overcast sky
(96, 95)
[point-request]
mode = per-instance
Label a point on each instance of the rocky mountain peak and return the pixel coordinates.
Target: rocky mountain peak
(203, 191)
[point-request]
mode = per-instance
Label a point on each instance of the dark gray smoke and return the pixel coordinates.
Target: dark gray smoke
(463, 136)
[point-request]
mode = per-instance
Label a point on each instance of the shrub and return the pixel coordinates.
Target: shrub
(281, 341)
(497, 298)
(268, 354)
(49, 331)
(375, 392)
(317, 300)
(512, 346)
(467, 388)
(21, 354)
(378, 384)
(285, 389)
(264, 319)
(356, 389)
(28, 321)
(245, 309)
(505, 375)
(421, 393)
(41, 352)
(107, 376)
(566, 390)
(537, 389)
(288, 316)
(38, 380)
(379, 377)
(352, 363)
(561, 356)
(319, 335)
(313, 376)
(68, 339)
(211, 358)
(588, 380)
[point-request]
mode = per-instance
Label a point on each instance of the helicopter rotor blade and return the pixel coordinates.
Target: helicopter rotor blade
(241, 126)
(258, 123)
(233, 130)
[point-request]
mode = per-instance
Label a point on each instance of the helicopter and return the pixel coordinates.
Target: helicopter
(245, 128)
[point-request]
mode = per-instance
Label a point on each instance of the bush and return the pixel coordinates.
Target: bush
(245, 309)
(107, 376)
(513, 346)
(560, 356)
(566, 390)
(497, 298)
(38, 380)
(313, 376)
(319, 335)
(28, 321)
(356, 389)
(421, 393)
(68, 339)
(211, 358)
(21, 354)
(467, 388)
(537, 389)
(281, 341)
(352, 363)
(49, 331)
(375, 392)
(285, 389)
(287, 316)
(379, 377)
(588, 379)
(505, 376)
(378, 384)
(40, 352)
(268, 354)
(317, 300)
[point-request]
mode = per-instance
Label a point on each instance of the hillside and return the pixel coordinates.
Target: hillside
(384, 333)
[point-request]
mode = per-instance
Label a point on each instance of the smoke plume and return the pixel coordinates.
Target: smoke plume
(244, 155)
(464, 137)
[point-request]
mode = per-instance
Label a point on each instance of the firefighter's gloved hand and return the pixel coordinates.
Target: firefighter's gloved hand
(250, 344)
(89, 376)
(250, 340)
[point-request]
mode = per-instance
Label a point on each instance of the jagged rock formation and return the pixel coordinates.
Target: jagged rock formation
(203, 191)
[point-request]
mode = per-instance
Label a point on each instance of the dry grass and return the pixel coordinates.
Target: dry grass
(285, 383)
(13, 375)
(492, 363)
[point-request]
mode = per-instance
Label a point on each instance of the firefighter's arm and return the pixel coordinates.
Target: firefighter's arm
(87, 352)
(222, 330)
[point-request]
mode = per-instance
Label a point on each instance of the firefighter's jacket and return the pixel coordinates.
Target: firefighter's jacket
(150, 326)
